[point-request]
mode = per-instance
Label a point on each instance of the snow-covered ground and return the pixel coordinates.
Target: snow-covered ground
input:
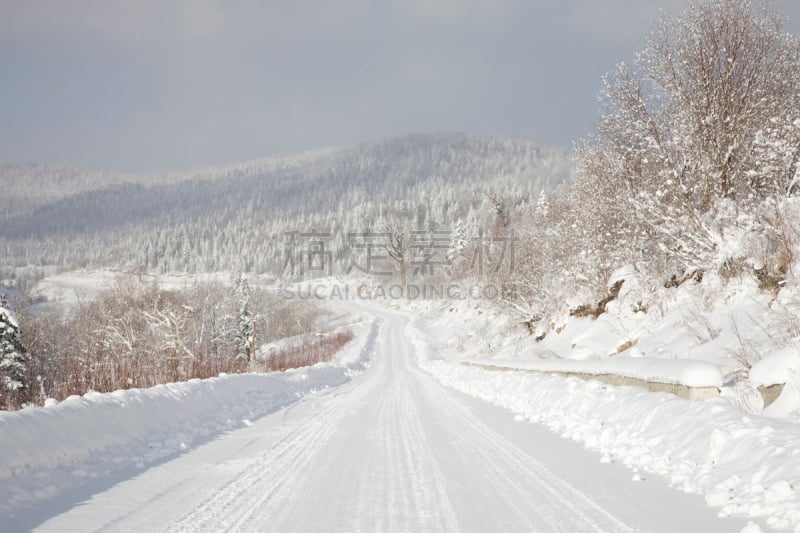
(60, 448)
(391, 450)
(741, 463)
(73, 287)
(697, 335)
(420, 441)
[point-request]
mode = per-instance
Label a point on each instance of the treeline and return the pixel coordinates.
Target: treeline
(139, 335)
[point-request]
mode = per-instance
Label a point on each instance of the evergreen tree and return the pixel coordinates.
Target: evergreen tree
(458, 240)
(246, 326)
(13, 358)
(542, 205)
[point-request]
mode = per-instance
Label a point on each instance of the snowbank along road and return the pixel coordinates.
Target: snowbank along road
(392, 450)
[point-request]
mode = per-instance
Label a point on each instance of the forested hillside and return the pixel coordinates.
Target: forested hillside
(235, 217)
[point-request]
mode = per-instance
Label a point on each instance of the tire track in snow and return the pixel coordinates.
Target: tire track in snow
(534, 492)
(394, 450)
(416, 498)
(265, 481)
(377, 473)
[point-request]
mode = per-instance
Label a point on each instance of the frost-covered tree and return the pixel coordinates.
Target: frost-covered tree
(398, 240)
(542, 205)
(13, 358)
(701, 131)
(246, 326)
(776, 150)
(458, 240)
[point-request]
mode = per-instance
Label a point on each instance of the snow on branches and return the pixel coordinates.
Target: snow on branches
(13, 357)
(699, 137)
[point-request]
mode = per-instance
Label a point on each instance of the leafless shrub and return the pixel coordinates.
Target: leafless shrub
(772, 246)
(138, 335)
(745, 352)
(699, 327)
(307, 352)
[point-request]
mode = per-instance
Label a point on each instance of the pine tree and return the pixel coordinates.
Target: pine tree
(458, 240)
(542, 205)
(246, 326)
(13, 358)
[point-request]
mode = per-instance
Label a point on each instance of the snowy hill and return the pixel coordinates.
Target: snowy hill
(49, 211)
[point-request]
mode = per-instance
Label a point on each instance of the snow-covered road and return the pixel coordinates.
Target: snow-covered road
(392, 450)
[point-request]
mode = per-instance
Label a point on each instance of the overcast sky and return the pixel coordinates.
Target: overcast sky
(151, 84)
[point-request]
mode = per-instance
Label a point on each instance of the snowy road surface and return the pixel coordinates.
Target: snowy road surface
(393, 450)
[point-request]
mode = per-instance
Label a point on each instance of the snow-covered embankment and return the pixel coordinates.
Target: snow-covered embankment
(47, 450)
(744, 464)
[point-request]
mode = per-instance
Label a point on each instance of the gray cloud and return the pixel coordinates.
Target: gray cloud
(151, 84)
(120, 21)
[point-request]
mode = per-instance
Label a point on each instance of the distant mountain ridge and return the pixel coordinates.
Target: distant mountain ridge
(72, 211)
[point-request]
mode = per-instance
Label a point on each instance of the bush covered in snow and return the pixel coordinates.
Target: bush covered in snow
(137, 335)
(13, 358)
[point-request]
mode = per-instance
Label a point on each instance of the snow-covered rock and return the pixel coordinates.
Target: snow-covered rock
(776, 368)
